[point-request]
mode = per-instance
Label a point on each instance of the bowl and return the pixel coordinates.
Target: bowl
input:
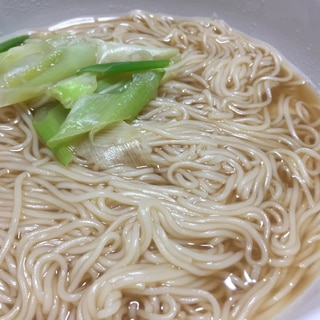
(290, 26)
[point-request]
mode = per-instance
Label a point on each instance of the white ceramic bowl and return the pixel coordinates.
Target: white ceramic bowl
(291, 26)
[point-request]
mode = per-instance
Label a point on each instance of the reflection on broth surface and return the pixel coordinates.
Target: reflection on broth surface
(223, 221)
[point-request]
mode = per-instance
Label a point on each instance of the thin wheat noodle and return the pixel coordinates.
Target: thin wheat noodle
(222, 224)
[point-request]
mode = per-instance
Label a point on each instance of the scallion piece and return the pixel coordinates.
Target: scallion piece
(43, 65)
(70, 90)
(47, 121)
(126, 66)
(8, 44)
(94, 112)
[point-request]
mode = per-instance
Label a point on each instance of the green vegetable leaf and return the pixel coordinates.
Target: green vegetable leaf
(70, 90)
(28, 70)
(8, 44)
(109, 51)
(95, 111)
(126, 66)
(47, 121)
(72, 58)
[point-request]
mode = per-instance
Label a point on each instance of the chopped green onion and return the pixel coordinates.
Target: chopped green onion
(119, 143)
(39, 64)
(126, 66)
(10, 96)
(73, 57)
(106, 85)
(47, 121)
(14, 42)
(109, 51)
(30, 73)
(21, 76)
(94, 112)
(68, 91)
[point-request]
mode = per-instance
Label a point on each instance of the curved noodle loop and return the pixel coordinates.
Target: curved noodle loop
(225, 223)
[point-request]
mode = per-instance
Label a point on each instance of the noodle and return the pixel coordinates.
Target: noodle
(223, 225)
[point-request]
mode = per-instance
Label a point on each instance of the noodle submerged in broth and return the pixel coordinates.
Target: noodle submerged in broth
(224, 222)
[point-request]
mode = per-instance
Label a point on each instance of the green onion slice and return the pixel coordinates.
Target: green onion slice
(6, 45)
(94, 112)
(126, 66)
(47, 121)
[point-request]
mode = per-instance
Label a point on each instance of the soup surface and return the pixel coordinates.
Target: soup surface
(223, 220)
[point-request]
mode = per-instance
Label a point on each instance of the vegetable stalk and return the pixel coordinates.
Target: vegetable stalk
(94, 112)
(47, 121)
(14, 42)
